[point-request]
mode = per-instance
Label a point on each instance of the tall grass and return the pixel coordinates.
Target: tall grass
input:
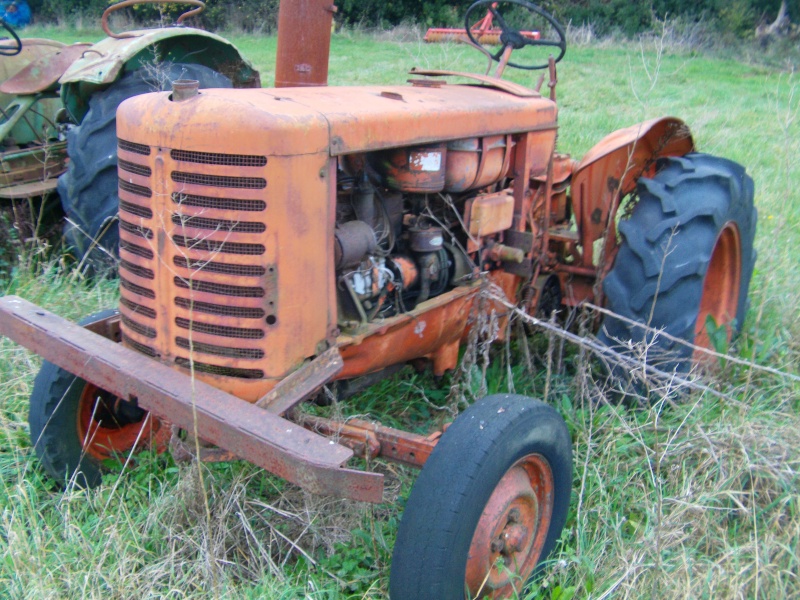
(689, 498)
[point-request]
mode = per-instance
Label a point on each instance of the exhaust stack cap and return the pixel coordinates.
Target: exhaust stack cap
(183, 89)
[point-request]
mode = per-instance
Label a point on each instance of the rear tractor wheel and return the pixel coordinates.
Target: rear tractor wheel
(685, 261)
(75, 425)
(88, 189)
(488, 506)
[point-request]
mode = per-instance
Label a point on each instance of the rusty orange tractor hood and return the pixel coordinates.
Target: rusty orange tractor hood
(342, 120)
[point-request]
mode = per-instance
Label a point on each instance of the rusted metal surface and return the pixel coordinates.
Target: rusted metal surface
(512, 530)
(302, 383)
(304, 39)
(43, 73)
(373, 440)
(611, 169)
(493, 82)
(261, 437)
(200, 6)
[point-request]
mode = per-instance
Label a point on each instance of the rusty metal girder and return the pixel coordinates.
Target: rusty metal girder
(265, 439)
(373, 440)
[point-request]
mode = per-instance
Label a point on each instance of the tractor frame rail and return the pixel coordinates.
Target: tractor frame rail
(262, 437)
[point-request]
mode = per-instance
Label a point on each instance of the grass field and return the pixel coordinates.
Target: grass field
(694, 499)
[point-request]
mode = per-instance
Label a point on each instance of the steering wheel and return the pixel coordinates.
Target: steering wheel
(10, 50)
(514, 38)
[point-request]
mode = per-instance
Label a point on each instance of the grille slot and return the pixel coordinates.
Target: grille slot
(242, 312)
(137, 270)
(219, 203)
(253, 353)
(217, 370)
(145, 311)
(137, 250)
(139, 328)
(214, 246)
(135, 209)
(223, 181)
(136, 289)
(222, 289)
(219, 224)
(220, 330)
(136, 190)
(130, 167)
(207, 266)
(213, 158)
(134, 147)
(138, 230)
(146, 350)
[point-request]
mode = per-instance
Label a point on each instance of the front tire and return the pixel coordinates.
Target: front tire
(686, 256)
(88, 189)
(489, 504)
(75, 426)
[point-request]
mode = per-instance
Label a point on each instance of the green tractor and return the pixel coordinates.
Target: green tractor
(58, 108)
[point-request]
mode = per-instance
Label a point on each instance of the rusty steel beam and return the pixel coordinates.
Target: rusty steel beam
(373, 440)
(265, 439)
(303, 383)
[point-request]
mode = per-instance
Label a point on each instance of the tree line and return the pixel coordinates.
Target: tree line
(741, 18)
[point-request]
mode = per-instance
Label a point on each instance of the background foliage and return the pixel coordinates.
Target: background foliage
(735, 17)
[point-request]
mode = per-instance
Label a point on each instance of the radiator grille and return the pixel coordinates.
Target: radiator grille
(218, 224)
(223, 310)
(219, 203)
(252, 353)
(144, 330)
(137, 308)
(213, 246)
(137, 230)
(192, 247)
(220, 330)
(136, 289)
(211, 158)
(137, 250)
(223, 181)
(134, 168)
(202, 367)
(133, 147)
(137, 270)
(210, 266)
(136, 190)
(135, 209)
(222, 289)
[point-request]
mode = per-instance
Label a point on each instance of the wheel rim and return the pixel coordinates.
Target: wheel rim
(720, 298)
(512, 530)
(109, 426)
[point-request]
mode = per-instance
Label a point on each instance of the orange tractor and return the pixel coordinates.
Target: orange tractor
(273, 241)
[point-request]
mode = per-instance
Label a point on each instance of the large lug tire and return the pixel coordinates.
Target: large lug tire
(686, 255)
(75, 426)
(88, 189)
(488, 506)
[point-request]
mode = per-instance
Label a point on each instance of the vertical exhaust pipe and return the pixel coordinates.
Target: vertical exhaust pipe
(304, 42)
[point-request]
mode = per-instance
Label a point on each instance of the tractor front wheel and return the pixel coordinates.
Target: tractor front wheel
(75, 425)
(684, 263)
(488, 506)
